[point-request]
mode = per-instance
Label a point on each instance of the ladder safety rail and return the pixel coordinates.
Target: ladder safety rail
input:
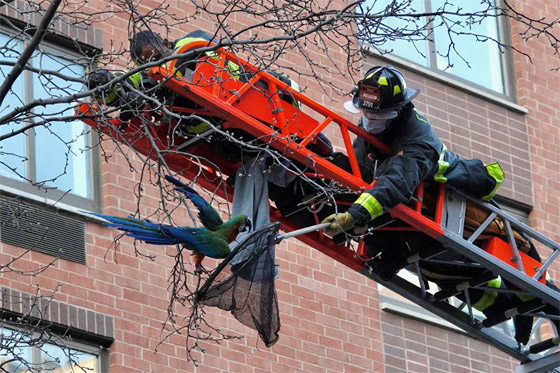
(238, 119)
(504, 264)
(241, 120)
(274, 83)
(256, 107)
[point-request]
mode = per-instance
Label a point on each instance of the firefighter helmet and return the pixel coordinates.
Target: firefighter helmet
(98, 78)
(381, 93)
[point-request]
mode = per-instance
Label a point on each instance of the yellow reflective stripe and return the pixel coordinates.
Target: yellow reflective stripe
(396, 90)
(382, 81)
(295, 87)
(443, 165)
(197, 129)
(371, 204)
(185, 41)
(497, 173)
(232, 67)
(419, 116)
(107, 99)
(136, 79)
(525, 297)
(489, 296)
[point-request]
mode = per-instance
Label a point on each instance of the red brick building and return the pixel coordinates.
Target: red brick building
(333, 319)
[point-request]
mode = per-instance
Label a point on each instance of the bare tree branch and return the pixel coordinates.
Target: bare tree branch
(28, 52)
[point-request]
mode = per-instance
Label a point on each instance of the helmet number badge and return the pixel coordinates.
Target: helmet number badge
(369, 96)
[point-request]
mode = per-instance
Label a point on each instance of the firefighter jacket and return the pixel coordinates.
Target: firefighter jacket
(419, 155)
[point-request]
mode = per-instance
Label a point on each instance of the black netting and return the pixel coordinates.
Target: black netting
(246, 289)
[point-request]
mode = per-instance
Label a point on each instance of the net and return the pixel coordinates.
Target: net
(246, 288)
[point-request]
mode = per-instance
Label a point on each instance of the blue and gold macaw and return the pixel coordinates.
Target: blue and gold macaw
(212, 240)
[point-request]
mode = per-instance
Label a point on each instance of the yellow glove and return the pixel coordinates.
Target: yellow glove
(339, 222)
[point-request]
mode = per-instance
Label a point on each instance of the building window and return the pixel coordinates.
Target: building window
(57, 155)
(474, 60)
(38, 333)
(22, 352)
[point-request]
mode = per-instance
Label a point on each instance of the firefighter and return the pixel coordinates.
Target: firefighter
(123, 94)
(147, 46)
(385, 103)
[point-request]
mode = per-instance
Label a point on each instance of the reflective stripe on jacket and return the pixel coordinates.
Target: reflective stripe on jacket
(489, 296)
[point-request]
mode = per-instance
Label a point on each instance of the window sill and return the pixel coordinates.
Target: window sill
(49, 202)
(442, 78)
(413, 311)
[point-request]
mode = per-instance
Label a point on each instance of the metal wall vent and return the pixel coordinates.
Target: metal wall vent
(42, 229)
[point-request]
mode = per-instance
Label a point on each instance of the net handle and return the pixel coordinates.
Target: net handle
(301, 231)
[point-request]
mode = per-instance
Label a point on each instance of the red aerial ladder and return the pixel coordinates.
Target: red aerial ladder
(254, 105)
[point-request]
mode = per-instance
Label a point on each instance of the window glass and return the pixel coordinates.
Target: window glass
(413, 48)
(20, 354)
(476, 59)
(54, 154)
(483, 62)
(12, 150)
(61, 360)
(61, 145)
(16, 354)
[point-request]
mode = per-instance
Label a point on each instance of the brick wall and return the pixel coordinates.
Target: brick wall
(538, 83)
(331, 319)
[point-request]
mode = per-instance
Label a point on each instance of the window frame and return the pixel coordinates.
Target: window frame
(88, 347)
(63, 200)
(508, 98)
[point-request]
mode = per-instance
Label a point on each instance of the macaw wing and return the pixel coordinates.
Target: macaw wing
(202, 240)
(208, 216)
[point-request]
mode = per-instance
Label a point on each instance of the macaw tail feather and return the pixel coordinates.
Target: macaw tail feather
(142, 230)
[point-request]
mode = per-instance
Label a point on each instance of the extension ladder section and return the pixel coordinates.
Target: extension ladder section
(226, 87)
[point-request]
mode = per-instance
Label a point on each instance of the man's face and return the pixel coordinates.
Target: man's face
(149, 53)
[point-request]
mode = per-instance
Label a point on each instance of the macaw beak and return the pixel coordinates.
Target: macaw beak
(245, 226)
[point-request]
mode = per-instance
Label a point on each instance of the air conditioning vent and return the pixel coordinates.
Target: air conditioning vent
(42, 229)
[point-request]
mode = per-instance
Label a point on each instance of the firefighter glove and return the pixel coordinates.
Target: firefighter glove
(339, 222)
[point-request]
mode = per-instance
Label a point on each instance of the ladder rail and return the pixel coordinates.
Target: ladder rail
(220, 104)
(499, 267)
(513, 221)
(459, 318)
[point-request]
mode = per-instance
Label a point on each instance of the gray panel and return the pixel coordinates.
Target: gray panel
(454, 212)
(42, 229)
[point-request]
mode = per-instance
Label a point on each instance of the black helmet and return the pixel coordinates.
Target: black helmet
(98, 78)
(382, 93)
